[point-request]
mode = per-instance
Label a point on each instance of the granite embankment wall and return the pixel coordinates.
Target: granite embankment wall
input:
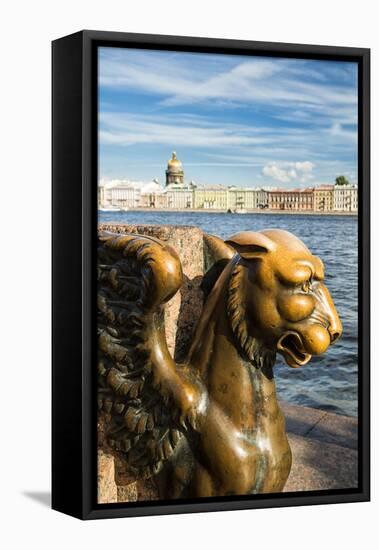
(250, 211)
(324, 445)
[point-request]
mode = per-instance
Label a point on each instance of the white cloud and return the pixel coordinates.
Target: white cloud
(304, 167)
(287, 172)
(338, 131)
(128, 129)
(181, 79)
(218, 143)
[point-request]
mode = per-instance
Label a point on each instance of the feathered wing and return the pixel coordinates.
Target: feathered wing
(148, 400)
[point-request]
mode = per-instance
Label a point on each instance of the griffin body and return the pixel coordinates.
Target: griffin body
(212, 425)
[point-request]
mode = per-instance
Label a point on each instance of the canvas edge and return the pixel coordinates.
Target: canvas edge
(83, 503)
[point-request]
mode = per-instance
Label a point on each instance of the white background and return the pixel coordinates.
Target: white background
(26, 31)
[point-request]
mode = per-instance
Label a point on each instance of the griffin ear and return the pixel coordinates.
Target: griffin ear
(218, 249)
(250, 244)
(249, 251)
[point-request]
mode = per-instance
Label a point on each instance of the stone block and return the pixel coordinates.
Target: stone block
(300, 420)
(319, 466)
(127, 493)
(184, 309)
(334, 428)
(321, 425)
(106, 485)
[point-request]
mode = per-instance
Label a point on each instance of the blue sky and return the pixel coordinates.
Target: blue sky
(233, 120)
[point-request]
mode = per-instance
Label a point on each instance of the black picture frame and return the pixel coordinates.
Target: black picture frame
(74, 205)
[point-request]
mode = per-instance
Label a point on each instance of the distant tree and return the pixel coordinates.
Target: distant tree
(341, 180)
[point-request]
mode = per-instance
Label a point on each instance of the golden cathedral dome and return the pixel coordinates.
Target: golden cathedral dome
(174, 172)
(174, 164)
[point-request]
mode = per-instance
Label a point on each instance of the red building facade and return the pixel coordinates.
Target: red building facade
(291, 199)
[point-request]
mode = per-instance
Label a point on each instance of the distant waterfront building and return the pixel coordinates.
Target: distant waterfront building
(125, 196)
(153, 196)
(174, 172)
(291, 199)
(323, 198)
(241, 198)
(345, 198)
(262, 198)
(178, 195)
(100, 195)
(119, 193)
(211, 197)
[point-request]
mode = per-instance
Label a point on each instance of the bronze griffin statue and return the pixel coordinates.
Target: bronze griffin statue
(212, 425)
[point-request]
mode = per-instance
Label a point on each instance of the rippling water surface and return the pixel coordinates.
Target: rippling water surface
(328, 382)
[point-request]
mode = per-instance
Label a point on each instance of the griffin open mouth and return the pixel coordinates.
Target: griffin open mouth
(290, 345)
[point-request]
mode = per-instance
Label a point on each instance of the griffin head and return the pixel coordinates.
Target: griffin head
(284, 302)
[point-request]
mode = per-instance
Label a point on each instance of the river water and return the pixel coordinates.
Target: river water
(329, 382)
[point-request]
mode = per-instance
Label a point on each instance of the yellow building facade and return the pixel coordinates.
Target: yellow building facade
(323, 198)
(212, 197)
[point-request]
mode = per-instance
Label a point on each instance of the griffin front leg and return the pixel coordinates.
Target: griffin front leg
(178, 384)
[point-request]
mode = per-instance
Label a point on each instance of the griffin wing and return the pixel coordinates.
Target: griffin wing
(147, 399)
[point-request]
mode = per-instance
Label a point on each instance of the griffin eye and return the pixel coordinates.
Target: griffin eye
(307, 286)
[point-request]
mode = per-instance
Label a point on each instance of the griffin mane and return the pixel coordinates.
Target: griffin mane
(251, 347)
